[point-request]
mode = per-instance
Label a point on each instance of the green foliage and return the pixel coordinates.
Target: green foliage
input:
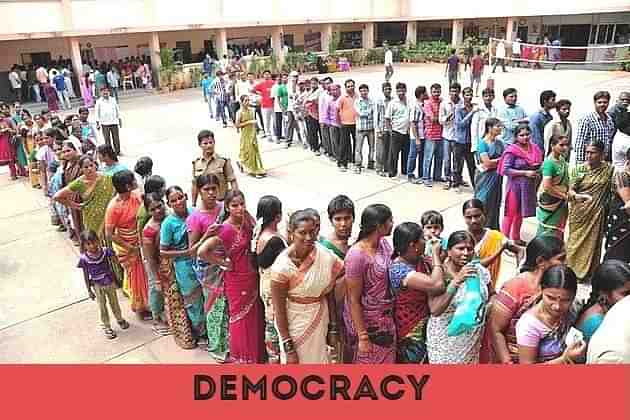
(167, 57)
(196, 76)
(334, 43)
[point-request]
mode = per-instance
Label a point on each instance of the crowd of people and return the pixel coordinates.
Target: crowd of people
(206, 271)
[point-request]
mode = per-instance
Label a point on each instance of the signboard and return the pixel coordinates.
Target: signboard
(312, 41)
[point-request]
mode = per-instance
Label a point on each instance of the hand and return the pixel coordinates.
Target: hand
(466, 271)
(213, 230)
(74, 205)
(332, 339)
(364, 346)
(91, 294)
(436, 247)
(119, 123)
(575, 351)
(292, 358)
(531, 174)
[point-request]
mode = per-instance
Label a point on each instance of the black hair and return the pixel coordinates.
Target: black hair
(555, 140)
(436, 86)
(601, 94)
(491, 122)
(71, 145)
(432, 217)
(562, 102)
(299, 217)
(206, 179)
(152, 197)
(420, 92)
(628, 155)
(340, 203)
(459, 237)
(473, 203)
(599, 145)
(545, 247)
(455, 86)
(314, 213)
(54, 133)
(107, 150)
(622, 123)
(123, 180)
(467, 89)
(328, 79)
(229, 196)
(364, 86)
(521, 127)
(487, 91)
(204, 134)
(83, 109)
(173, 188)
(89, 235)
(509, 91)
(144, 166)
(404, 234)
(268, 209)
(401, 85)
(347, 81)
(386, 84)
(559, 277)
(453, 50)
(154, 184)
(85, 158)
(545, 95)
(372, 217)
(610, 275)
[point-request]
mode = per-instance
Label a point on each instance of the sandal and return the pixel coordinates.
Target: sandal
(123, 324)
(161, 330)
(109, 333)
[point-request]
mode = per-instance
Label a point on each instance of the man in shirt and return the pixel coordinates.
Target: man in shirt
(365, 111)
(620, 107)
(280, 96)
(113, 80)
(220, 90)
(59, 81)
(595, 126)
(452, 67)
(293, 91)
(499, 56)
(15, 83)
(210, 163)
(397, 121)
(42, 78)
(88, 131)
(108, 119)
(464, 113)
(541, 118)
(389, 63)
(416, 135)
(347, 118)
(333, 123)
(560, 126)
(311, 104)
(433, 148)
(266, 102)
(447, 120)
(511, 115)
(476, 70)
(516, 53)
(383, 135)
(322, 104)
(478, 125)
(611, 342)
(208, 95)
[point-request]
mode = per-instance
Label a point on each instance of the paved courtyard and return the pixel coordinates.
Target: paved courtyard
(45, 315)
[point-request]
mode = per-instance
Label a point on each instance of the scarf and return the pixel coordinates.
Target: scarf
(533, 156)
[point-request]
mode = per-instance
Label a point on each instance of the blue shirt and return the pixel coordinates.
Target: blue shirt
(60, 82)
(463, 120)
(537, 123)
(508, 115)
(206, 87)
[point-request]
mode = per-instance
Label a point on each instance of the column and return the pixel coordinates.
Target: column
(156, 59)
(327, 32)
(412, 32)
(77, 64)
(277, 43)
(368, 35)
(511, 28)
(221, 43)
(458, 33)
(66, 10)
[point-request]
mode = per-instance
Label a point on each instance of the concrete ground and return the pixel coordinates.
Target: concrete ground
(45, 315)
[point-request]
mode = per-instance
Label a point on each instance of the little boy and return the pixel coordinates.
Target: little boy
(433, 225)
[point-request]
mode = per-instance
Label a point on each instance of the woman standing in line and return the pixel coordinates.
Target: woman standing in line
(553, 200)
(72, 170)
(368, 312)
(488, 182)
(249, 156)
(618, 228)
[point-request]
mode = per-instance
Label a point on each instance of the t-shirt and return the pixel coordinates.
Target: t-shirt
(264, 90)
(98, 269)
(398, 113)
(389, 58)
(452, 62)
(477, 65)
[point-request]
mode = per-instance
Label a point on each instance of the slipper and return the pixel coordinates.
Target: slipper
(161, 331)
(123, 324)
(109, 333)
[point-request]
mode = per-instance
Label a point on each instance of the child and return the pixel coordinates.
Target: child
(143, 169)
(99, 280)
(432, 226)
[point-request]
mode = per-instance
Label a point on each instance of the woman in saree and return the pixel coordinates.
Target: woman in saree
(234, 236)
(541, 331)
(618, 227)
(589, 197)
(174, 246)
(303, 281)
(122, 230)
(516, 296)
(210, 276)
(8, 151)
(488, 182)
(413, 278)
(86, 91)
(269, 244)
(465, 347)
(71, 171)
(369, 307)
(521, 162)
(249, 156)
(553, 208)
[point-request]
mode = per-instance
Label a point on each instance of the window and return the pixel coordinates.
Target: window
(622, 34)
(605, 34)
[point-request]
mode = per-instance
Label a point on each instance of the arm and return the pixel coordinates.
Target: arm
(462, 118)
(88, 284)
(509, 170)
(439, 303)
(582, 139)
(150, 251)
(549, 188)
(64, 197)
(498, 321)
(487, 262)
(488, 163)
(279, 294)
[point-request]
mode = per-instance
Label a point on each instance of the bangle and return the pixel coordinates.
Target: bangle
(363, 335)
(440, 266)
(452, 289)
(288, 345)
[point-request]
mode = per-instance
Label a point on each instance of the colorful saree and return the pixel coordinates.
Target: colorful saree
(586, 220)
(488, 182)
(175, 307)
(121, 218)
(95, 202)
(618, 227)
(307, 303)
(249, 154)
(552, 211)
(489, 245)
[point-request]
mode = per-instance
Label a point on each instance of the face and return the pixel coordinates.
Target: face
(245, 101)
(557, 302)
(432, 231)
(453, 94)
(350, 88)
(601, 105)
(84, 115)
(462, 253)
(342, 222)
(511, 99)
(561, 147)
(92, 247)
(475, 219)
(522, 137)
(284, 79)
(58, 149)
(38, 120)
(618, 294)
(335, 91)
(68, 153)
(387, 91)
(243, 76)
(157, 210)
(496, 129)
(314, 84)
(209, 193)
(550, 103)
(564, 111)
(624, 99)
(105, 93)
(364, 93)
(177, 201)
(593, 155)
(386, 228)
(250, 77)
(207, 145)
(304, 235)
(401, 93)
(88, 168)
(467, 95)
(237, 207)
(267, 75)
(436, 92)
(488, 98)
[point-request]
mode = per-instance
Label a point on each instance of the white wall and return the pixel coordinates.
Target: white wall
(98, 14)
(29, 17)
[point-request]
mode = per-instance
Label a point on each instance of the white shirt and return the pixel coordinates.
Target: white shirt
(242, 87)
(620, 146)
(500, 53)
(107, 111)
(516, 47)
(14, 78)
(478, 124)
(611, 341)
(389, 58)
(397, 112)
(446, 116)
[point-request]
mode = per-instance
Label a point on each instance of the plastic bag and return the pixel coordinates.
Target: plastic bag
(469, 313)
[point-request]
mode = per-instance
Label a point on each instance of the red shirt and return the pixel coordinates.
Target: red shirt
(477, 65)
(432, 130)
(264, 90)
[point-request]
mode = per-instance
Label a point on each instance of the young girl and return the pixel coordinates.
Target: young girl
(99, 280)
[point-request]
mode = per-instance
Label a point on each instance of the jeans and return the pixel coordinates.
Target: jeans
(452, 78)
(220, 114)
(334, 134)
(416, 156)
(382, 150)
(499, 61)
(399, 146)
(267, 114)
(358, 148)
(324, 130)
(292, 125)
(346, 148)
(110, 133)
(463, 154)
(447, 154)
(36, 94)
(211, 102)
(64, 99)
(432, 154)
(277, 126)
(313, 133)
(115, 92)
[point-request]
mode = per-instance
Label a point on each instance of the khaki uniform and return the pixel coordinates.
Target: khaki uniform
(216, 165)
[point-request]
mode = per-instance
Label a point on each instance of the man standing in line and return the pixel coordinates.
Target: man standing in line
(447, 120)
(220, 90)
(511, 115)
(433, 148)
(42, 78)
(397, 121)
(464, 113)
(452, 68)
(486, 110)
(334, 125)
(499, 57)
(389, 62)
(311, 104)
(476, 71)
(292, 121)
(59, 81)
(365, 111)
(516, 53)
(324, 98)
(108, 119)
(266, 102)
(560, 126)
(113, 79)
(16, 83)
(208, 95)
(541, 118)
(347, 118)
(383, 134)
(596, 126)
(623, 102)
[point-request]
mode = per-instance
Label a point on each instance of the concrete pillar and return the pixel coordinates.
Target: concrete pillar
(156, 59)
(458, 33)
(277, 43)
(66, 11)
(77, 63)
(368, 35)
(412, 31)
(327, 32)
(221, 43)
(511, 28)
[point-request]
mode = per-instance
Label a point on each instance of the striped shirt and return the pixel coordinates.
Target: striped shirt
(365, 109)
(417, 119)
(432, 130)
(381, 106)
(592, 128)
